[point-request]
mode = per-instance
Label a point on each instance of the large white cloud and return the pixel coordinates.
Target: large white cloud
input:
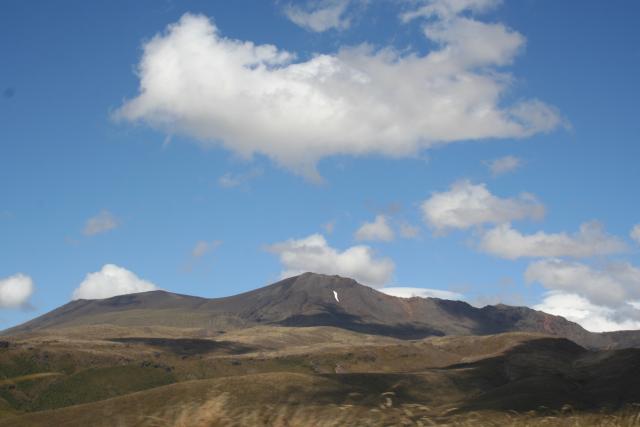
(505, 242)
(257, 99)
(595, 318)
(378, 230)
(15, 291)
(110, 281)
(320, 16)
(313, 254)
(614, 285)
(466, 205)
(101, 223)
(407, 292)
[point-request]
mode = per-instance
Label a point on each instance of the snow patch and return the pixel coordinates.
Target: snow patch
(335, 295)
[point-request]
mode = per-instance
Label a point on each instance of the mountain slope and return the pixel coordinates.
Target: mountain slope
(319, 300)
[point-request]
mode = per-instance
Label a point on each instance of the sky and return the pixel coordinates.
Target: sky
(481, 150)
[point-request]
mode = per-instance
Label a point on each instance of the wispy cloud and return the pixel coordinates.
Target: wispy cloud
(320, 16)
(235, 180)
(101, 223)
(504, 165)
(199, 251)
(203, 247)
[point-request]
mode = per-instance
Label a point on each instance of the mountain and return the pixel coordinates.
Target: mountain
(320, 300)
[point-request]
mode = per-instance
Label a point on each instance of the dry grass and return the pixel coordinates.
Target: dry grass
(217, 412)
(285, 399)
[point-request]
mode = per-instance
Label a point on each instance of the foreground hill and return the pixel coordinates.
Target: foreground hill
(316, 376)
(319, 300)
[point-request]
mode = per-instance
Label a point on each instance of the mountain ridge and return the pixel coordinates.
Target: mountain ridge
(312, 299)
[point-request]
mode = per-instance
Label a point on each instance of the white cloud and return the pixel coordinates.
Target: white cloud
(203, 247)
(313, 254)
(405, 292)
(505, 242)
(322, 16)
(101, 223)
(378, 230)
(504, 165)
(409, 231)
(447, 9)
(112, 280)
(635, 233)
(256, 99)
(592, 317)
(612, 286)
(466, 205)
(15, 291)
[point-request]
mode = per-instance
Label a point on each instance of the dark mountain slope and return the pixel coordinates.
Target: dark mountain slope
(319, 300)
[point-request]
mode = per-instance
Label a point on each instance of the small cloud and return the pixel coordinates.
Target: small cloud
(378, 230)
(320, 16)
(408, 231)
(15, 291)
(101, 223)
(110, 281)
(504, 165)
(635, 233)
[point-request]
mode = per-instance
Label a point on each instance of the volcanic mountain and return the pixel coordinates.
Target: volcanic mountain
(319, 300)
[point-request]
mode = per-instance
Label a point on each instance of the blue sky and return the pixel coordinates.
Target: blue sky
(475, 137)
